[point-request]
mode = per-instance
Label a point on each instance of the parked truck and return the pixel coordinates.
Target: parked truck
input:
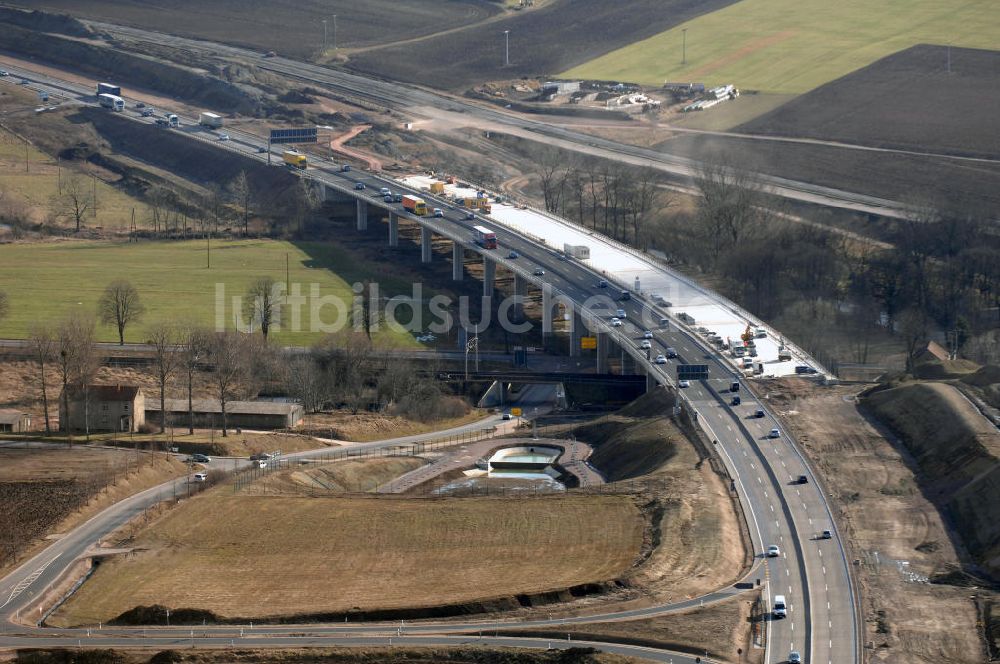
(294, 159)
(580, 251)
(437, 187)
(415, 205)
(210, 120)
(108, 89)
(113, 102)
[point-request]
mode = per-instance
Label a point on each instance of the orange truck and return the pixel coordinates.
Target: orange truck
(415, 205)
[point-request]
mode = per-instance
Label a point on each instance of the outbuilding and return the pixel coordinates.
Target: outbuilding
(262, 415)
(14, 421)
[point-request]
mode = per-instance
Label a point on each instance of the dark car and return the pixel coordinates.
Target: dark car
(735, 402)
(359, 186)
(258, 457)
(805, 369)
(602, 283)
(759, 414)
(802, 479)
(199, 458)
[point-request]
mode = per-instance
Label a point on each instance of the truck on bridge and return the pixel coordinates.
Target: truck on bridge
(211, 120)
(580, 251)
(294, 159)
(484, 237)
(113, 102)
(415, 205)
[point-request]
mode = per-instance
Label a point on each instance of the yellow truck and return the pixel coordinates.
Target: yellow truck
(437, 187)
(482, 204)
(294, 159)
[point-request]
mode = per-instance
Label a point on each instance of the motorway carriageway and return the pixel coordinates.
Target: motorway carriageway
(822, 618)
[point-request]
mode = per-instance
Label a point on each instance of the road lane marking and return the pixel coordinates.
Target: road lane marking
(27, 581)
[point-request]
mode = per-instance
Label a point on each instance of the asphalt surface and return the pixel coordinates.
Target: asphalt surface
(813, 574)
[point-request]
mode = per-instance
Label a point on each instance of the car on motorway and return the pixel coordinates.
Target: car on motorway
(664, 321)
(199, 458)
(645, 345)
(387, 198)
(759, 413)
(261, 149)
(774, 433)
(620, 313)
(397, 198)
(805, 369)
(773, 551)
(148, 112)
(438, 212)
(616, 322)
(513, 254)
(223, 137)
(802, 479)
(470, 215)
(660, 359)
(826, 534)
(538, 272)
(647, 335)
(140, 104)
(794, 657)
(385, 191)
(671, 352)
(735, 401)
(602, 283)
(346, 168)
(24, 81)
(162, 122)
(780, 607)
(506, 416)
(4, 72)
(359, 186)
(683, 383)
(201, 477)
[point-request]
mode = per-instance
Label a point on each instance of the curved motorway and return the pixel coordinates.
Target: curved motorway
(811, 573)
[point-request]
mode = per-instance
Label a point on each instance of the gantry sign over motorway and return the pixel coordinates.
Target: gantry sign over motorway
(692, 371)
(298, 135)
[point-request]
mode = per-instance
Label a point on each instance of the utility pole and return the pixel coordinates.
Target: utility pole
(684, 46)
(506, 48)
(324, 35)
(949, 58)
(208, 250)
(94, 208)
(335, 32)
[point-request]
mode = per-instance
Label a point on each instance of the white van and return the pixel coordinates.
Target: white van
(780, 609)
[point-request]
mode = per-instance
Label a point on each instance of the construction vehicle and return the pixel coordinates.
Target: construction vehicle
(415, 205)
(294, 159)
(437, 187)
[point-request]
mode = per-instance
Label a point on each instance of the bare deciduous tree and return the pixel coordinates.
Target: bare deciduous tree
(120, 306)
(242, 194)
(305, 381)
(262, 305)
(4, 305)
(228, 357)
(76, 199)
(43, 345)
(78, 362)
(195, 345)
(165, 341)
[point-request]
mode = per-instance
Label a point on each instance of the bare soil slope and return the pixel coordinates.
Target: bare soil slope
(909, 100)
(895, 534)
(246, 556)
(958, 452)
(544, 41)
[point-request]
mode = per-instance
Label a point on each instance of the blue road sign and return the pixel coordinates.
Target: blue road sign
(304, 135)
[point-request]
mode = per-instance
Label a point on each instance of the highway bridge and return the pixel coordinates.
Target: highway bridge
(823, 613)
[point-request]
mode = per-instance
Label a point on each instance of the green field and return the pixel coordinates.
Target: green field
(46, 281)
(39, 183)
(793, 46)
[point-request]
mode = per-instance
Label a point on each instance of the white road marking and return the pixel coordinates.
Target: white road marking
(27, 581)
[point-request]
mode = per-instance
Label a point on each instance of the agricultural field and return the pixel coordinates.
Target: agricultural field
(911, 179)
(290, 27)
(549, 39)
(43, 486)
(794, 46)
(909, 100)
(46, 281)
(329, 555)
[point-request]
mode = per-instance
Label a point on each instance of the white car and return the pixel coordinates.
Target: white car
(774, 433)
(683, 383)
(660, 359)
(794, 657)
(645, 345)
(616, 322)
(223, 137)
(438, 212)
(773, 551)
(200, 477)
(647, 335)
(620, 313)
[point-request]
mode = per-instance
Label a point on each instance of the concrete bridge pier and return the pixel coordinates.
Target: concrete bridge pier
(457, 262)
(651, 381)
(362, 215)
(489, 276)
(576, 331)
(602, 352)
(546, 313)
(521, 292)
(393, 229)
(425, 245)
